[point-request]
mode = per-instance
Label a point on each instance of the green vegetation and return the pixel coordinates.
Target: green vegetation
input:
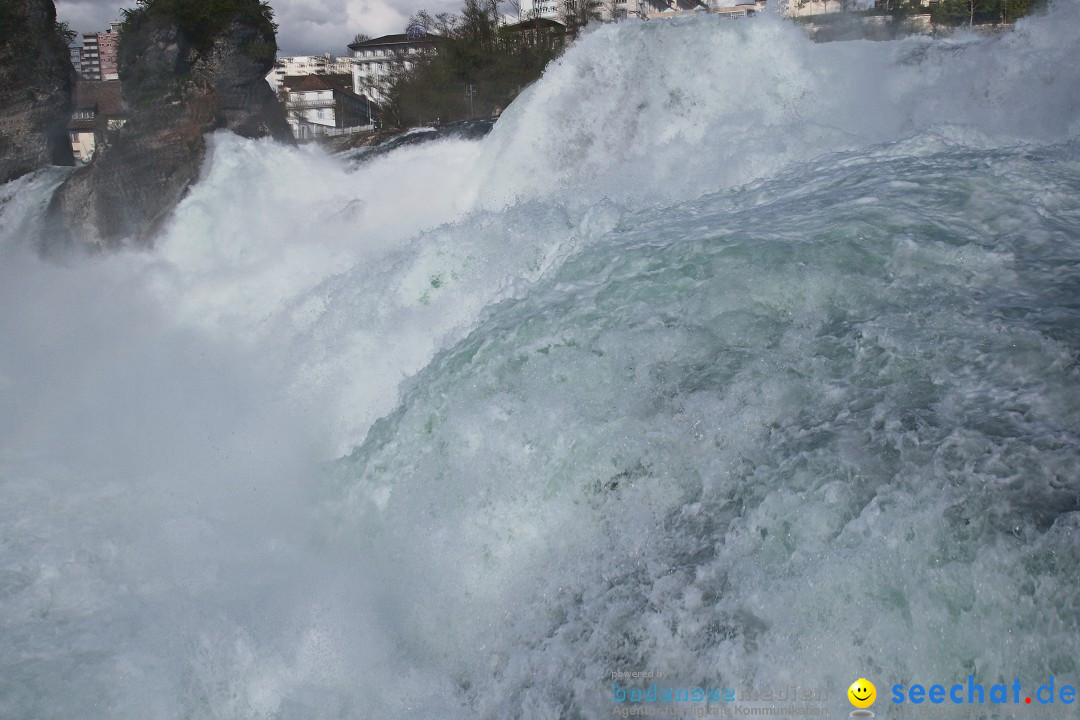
(579, 13)
(14, 29)
(967, 12)
(66, 34)
(202, 21)
(21, 43)
(12, 22)
(13, 53)
(942, 12)
(478, 66)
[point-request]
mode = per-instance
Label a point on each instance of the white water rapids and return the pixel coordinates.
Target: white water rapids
(747, 359)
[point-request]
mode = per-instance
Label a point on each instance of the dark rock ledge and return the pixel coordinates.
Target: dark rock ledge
(179, 83)
(36, 80)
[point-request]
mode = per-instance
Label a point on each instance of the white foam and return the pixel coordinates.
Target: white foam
(604, 440)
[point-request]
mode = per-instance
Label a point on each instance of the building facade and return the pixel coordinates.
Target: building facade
(75, 53)
(563, 11)
(804, 8)
(97, 60)
(297, 65)
(606, 10)
(377, 62)
(108, 42)
(98, 109)
(547, 9)
(325, 105)
(90, 59)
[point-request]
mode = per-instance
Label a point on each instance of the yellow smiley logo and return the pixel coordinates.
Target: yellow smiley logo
(862, 693)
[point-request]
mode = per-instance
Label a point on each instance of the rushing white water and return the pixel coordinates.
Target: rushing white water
(726, 354)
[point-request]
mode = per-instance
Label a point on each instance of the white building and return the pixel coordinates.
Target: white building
(75, 53)
(549, 9)
(90, 57)
(736, 8)
(607, 10)
(295, 65)
(803, 8)
(378, 61)
(325, 105)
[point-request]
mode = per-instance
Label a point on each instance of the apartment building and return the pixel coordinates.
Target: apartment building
(97, 60)
(378, 61)
(90, 59)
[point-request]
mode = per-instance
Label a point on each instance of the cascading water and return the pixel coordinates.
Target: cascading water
(726, 354)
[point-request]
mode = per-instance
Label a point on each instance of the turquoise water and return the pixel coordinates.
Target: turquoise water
(758, 377)
(787, 434)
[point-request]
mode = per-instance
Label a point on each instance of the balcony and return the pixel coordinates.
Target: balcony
(313, 104)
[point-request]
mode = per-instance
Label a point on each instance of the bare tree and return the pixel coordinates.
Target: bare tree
(803, 3)
(614, 9)
(443, 23)
(295, 112)
(579, 13)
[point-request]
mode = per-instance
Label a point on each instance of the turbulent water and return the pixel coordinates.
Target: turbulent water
(748, 360)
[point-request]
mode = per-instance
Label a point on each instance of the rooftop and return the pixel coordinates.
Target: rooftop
(398, 39)
(314, 83)
(103, 96)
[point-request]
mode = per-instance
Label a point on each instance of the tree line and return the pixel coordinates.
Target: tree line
(477, 67)
(949, 12)
(202, 21)
(971, 12)
(478, 64)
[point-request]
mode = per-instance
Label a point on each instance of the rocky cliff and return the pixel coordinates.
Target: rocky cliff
(183, 77)
(36, 80)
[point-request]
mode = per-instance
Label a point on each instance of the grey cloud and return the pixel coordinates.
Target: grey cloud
(306, 26)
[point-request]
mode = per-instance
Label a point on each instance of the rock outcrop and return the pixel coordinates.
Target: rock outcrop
(180, 82)
(36, 80)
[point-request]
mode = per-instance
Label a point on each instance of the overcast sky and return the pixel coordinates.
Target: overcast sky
(306, 26)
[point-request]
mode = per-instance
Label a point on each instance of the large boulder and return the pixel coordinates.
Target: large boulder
(36, 80)
(180, 82)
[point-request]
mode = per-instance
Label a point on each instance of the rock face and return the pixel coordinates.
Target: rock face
(178, 86)
(36, 80)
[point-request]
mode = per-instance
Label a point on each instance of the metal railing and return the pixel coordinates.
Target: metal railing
(356, 130)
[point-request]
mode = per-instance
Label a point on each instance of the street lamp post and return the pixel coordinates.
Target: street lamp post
(470, 92)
